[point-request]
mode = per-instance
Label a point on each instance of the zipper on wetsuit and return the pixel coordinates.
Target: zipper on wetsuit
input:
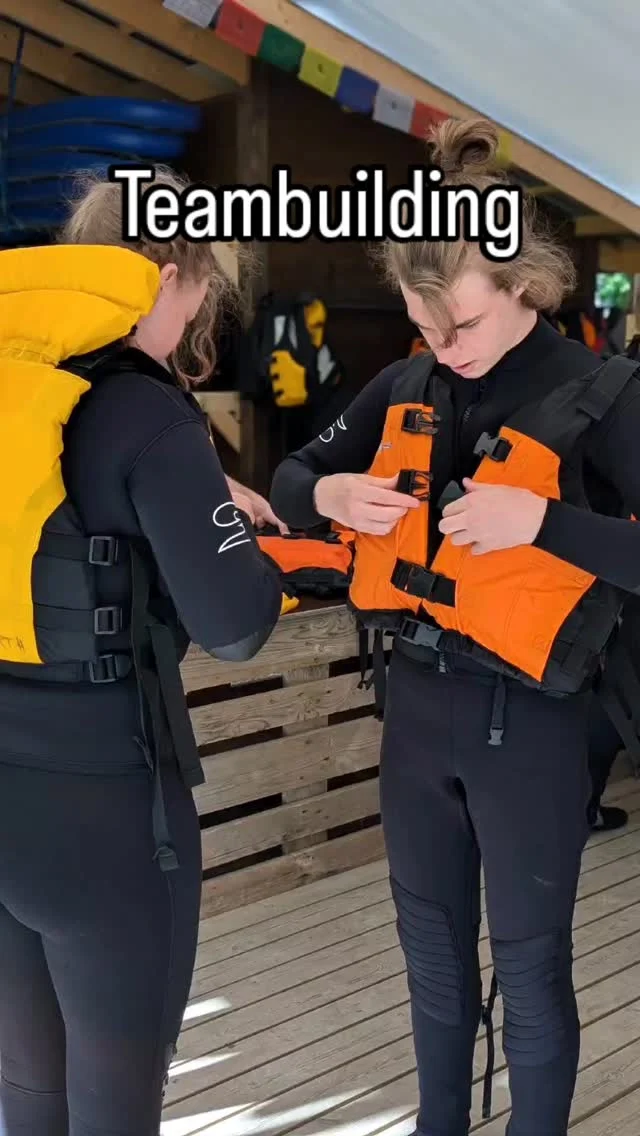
(464, 421)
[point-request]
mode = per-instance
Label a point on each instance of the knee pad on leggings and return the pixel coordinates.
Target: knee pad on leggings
(433, 960)
(534, 976)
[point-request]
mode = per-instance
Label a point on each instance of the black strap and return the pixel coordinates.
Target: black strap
(609, 381)
(175, 705)
(101, 551)
(99, 621)
(151, 714)
(378, 673)
(416, 580)
(487, 1019)
(363, 655)
(496, 729)
(106, 668)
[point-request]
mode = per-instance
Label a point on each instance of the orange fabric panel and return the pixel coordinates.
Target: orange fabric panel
(303, 552)
(375, 556)
(514, 601)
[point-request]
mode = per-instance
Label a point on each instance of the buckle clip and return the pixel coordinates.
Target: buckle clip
(416, 421)
(103, 669)
(103, 551)
(498, 449)
(107, 620)
(421, 634)
(415, 483)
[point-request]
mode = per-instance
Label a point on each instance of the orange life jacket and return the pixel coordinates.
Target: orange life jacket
(312, 565)
(521, 611)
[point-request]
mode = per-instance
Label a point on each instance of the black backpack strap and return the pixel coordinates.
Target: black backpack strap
(607, 385)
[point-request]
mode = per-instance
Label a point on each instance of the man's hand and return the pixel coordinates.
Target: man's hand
(361, 502)
(492, 517)
(257, 507)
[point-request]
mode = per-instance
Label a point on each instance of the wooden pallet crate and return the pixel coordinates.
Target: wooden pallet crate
(290, 747)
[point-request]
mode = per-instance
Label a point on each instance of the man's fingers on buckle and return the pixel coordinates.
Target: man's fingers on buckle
(389, 497)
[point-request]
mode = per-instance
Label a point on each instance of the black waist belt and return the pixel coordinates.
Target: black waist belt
(435, 647)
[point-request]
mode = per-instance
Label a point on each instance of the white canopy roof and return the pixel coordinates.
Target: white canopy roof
(562, 74)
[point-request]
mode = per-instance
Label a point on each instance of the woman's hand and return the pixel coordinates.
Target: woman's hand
(257, 507)
(492, 517)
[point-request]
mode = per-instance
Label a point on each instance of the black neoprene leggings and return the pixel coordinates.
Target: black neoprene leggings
(97, 947)
(448, 798)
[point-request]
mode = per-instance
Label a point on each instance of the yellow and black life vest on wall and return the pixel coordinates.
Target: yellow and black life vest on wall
(521, 611)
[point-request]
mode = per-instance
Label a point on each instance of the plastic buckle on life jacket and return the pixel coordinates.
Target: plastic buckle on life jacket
(103, 551)
(104, 669)
(421, 634)
(422, 583)
(498, 449)
(416, 421)
(415, 482)
(107, 620)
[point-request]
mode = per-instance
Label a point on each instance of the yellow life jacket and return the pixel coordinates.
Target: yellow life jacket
(521, 611)
(60, 305)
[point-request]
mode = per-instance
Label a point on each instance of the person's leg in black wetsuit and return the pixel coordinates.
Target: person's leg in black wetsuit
(97, 947)
(448, 796)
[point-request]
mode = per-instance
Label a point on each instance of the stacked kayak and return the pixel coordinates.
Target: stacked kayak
(46, 147)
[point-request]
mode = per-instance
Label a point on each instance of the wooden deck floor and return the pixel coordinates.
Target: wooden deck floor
(298, 1020)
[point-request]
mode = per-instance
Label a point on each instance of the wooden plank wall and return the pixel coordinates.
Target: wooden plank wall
(290, 748)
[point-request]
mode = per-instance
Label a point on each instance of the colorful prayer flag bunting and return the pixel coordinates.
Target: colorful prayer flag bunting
(281, 49)
(356, 92)
(353, 90)
(240, 27)
(319, 71)
(393, 109)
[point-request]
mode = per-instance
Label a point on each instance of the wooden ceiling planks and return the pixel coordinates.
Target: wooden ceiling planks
(113, 48)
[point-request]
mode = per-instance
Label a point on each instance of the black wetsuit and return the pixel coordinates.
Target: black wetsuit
(450, 800)
(97, 944)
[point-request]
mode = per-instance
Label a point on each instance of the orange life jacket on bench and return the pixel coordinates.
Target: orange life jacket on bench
(318, 566)
(521, 611)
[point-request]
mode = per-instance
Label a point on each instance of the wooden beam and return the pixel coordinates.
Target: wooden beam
(30, 89)
(224, 411)
(106, 44)
(531, 158)
(60, 66)
(199, 44)
(593, 225)
(619, 256)
(539, 190)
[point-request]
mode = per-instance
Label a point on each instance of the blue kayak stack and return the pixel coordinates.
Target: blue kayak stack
(44, 149)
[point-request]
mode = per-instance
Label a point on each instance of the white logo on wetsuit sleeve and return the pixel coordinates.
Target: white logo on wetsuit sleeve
(226, 516)
(329, 434)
